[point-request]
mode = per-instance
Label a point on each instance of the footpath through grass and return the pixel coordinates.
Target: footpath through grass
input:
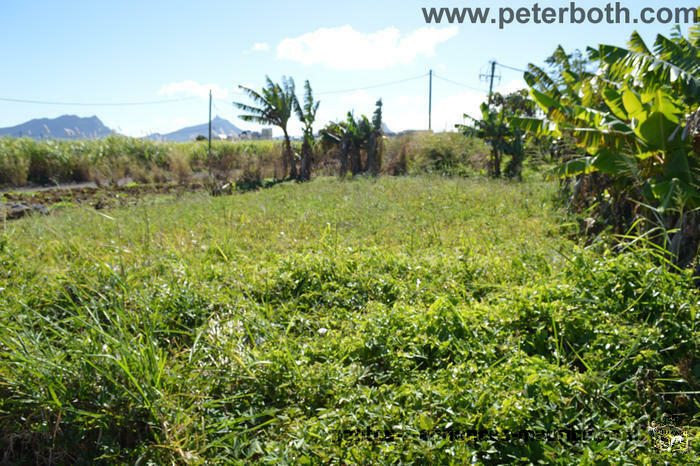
(420, 320)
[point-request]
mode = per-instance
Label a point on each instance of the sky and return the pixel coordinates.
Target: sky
(94, 52)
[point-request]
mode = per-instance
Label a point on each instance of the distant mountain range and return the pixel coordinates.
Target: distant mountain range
(220, 128)
(75, 127)
(63, 127)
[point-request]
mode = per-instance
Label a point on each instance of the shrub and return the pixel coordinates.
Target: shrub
(442, 153)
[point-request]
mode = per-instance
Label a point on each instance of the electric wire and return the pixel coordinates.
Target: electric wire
(390, 83)
(458, 83)
(510, 67)
(95, 104)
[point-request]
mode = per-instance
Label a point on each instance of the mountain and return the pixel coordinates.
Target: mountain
(63, 127)
(219, 128)
(386, 130)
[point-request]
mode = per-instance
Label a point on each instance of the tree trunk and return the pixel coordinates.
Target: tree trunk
(496, 164)
(289, 157)
(374, 153)
(306, 152)
(371, 153)
(355, 160)
(285, 159)
(344, 151)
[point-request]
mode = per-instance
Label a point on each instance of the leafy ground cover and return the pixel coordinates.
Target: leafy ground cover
(413, 319)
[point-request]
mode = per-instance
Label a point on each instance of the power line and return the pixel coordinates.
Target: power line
(344, 91)
(222, 101)
(87, 104)
(510, 67)
(458, 84)
(430, 102)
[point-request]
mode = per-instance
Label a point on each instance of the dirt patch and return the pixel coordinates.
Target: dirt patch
(99, 198)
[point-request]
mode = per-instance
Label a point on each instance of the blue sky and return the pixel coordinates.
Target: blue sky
(133, 51)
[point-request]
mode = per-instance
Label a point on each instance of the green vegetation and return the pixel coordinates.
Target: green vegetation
(261, 327)
(637, 120)
(357, 142)
(437, 318)
(109, 160)
(275, 106)
(436, 153)
(307, 116)
(106, 161)
(495, 128)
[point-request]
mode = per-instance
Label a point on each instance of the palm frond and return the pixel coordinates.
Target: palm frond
(537, 77)
(255, 119)
(254, 96)
(649, 69)
(637, 44)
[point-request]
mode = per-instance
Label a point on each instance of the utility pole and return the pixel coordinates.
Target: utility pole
(491, 76)
(209, 124)
(430, 102)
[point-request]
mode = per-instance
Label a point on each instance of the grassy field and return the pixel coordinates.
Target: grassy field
(343, 322)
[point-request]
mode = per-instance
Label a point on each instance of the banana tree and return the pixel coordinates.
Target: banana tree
(496, 129)
(374, 145)
(275, 105)
(633, 119)
(343, 137)
(351, 137)
(307, 115)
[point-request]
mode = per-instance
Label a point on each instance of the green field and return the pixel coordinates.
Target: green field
(345, 322)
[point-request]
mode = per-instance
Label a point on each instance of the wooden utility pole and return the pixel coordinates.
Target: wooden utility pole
(430, 102)
(493, 73)
(209, 123)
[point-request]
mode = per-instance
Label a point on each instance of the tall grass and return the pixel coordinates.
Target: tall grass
(440, 153)
(341, 322)
(25, 160)
(109, 160)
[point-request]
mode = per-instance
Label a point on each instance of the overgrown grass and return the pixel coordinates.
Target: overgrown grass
(106, 161)
(297, 323)
(436, 153)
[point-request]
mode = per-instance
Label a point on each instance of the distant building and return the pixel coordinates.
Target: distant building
(250, 136)
(266, 133)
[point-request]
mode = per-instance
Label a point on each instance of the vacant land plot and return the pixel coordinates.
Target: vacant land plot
(401, 319)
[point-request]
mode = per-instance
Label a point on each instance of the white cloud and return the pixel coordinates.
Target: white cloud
(261, 47)
(450, 110)
(192, 88)
(410, 100)
(344, 48)
(511, 86)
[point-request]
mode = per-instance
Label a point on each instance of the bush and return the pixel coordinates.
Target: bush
(14, 163)
(441, 153)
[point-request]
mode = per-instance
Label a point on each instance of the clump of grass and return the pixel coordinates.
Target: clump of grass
(14, 167)
(440, 153)
(179, 165)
